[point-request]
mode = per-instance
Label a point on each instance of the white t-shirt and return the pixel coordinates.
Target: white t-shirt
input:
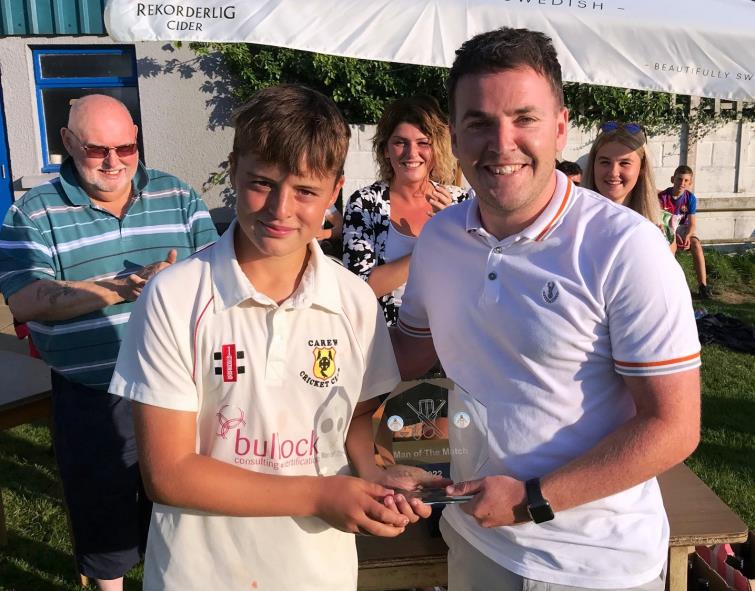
(540, 327)
(398, 245)
(274, 388)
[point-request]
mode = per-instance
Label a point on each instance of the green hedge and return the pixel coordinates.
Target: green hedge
(361, 88)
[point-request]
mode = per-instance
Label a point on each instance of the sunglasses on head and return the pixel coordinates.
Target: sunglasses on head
(628, 127)
(103, 151)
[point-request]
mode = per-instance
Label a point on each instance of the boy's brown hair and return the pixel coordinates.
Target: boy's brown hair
(683, 169)
(294, 127)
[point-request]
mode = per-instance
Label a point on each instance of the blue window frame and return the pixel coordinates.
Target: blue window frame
(64, 73)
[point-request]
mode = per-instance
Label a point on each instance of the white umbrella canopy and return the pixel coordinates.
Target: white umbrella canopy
(696, 47)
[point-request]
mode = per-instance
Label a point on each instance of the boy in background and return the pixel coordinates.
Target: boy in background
(570, 169)
(679, 201)
(254, 368)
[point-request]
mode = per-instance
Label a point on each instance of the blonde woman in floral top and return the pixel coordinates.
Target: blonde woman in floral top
(412, 147)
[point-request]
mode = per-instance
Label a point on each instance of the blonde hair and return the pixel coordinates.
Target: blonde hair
(424, 113)
(643, 198)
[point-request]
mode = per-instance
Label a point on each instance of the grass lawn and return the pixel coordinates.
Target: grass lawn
(725, 458)
(38, 555)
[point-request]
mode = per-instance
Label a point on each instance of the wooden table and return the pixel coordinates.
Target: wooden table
(697, 517)
(24, 389)
(413, 559)
(24, 397)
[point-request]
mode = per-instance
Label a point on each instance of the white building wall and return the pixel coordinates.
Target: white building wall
(714, 171)
(186, 113)
(21, 120)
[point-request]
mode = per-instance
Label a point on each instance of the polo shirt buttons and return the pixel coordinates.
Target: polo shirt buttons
(492, 276)
(498, 250)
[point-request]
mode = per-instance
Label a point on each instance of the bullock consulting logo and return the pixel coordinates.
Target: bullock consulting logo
(275, 451)
(226, 422)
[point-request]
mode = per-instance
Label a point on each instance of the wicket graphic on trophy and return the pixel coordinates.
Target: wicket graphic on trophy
(433, 424)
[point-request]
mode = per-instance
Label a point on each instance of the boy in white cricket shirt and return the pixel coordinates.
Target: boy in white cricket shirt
(254, 366)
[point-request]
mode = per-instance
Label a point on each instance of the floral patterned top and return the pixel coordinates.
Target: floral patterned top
(366, 220)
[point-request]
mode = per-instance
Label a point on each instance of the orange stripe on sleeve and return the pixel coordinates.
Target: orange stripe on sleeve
(656, 363)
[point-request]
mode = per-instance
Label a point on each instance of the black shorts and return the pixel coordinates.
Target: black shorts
(95, 447)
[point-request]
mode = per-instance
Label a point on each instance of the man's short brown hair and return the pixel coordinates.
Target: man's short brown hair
(294, 127)
(507, 49)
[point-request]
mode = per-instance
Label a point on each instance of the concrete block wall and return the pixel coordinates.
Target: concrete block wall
(360, 169)
(715, 165)
(718, 226)
(714, 174)
(714, 178)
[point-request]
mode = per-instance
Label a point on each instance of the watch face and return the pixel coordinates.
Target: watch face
(540, 513)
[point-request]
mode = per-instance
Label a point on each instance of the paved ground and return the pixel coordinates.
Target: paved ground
(6, 321)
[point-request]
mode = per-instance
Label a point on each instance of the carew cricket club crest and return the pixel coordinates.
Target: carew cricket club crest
(325, 362)
(325, 370)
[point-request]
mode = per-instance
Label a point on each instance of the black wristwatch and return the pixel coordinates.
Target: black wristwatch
(537, 506)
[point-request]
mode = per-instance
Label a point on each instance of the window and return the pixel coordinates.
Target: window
(63, 74)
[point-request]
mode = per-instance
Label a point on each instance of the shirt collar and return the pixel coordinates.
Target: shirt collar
(544, 224)
(77, 196)
(318, 285)
(474, 221)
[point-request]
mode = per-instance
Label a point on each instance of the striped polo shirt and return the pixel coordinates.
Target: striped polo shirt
(56, 232)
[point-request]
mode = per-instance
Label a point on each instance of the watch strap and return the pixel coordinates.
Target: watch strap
(534, 494)
(538, 506)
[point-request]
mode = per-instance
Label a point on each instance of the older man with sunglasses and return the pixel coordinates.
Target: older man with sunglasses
(74, 254)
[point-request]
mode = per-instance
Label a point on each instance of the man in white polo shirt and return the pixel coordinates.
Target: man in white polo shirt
(566, 316)
(254, 368)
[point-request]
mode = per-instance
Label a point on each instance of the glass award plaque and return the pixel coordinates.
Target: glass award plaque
(435, 425)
